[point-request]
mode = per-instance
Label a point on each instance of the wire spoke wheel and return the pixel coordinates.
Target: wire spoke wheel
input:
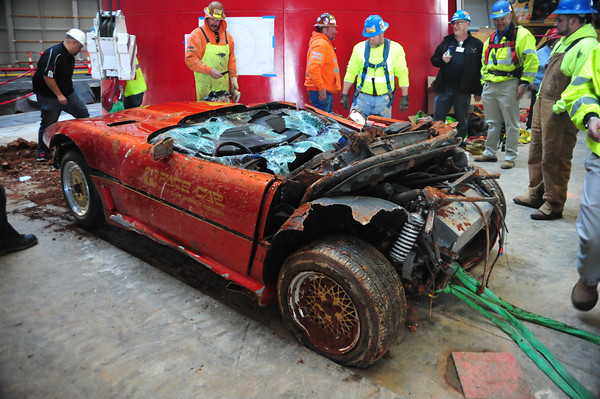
(79, 190)
(343, 299)
(75, 187)
(324, 309)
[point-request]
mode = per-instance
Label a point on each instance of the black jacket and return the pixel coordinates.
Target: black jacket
(470, 80)
(56, 63)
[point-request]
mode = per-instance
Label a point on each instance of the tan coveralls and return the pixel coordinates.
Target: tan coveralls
(553, 138)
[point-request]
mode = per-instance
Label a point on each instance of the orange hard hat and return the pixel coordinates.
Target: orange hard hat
(215, 10)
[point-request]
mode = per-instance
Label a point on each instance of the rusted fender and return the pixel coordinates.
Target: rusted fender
(364, 210)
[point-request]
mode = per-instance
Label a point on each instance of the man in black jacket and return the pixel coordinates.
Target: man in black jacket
(53, 85)
(459, 60)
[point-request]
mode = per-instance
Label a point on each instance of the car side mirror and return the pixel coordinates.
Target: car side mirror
(162, 149)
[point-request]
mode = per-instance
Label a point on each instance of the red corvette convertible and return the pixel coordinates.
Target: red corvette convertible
(332, 219)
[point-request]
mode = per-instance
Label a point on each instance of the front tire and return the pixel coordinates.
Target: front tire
(79, 190)
(343, 299)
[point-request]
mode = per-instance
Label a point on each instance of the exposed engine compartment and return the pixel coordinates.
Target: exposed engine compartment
(410, 188)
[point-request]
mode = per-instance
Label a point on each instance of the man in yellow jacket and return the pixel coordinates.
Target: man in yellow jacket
(374, 64)
(509, 65)
(553, 135)
(322, 70)
(582, 100)
(210, 54)
(133, 96)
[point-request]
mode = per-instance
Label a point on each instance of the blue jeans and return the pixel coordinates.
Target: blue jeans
(325, 105)
(370, 105)
(448, 98)
(51, 110)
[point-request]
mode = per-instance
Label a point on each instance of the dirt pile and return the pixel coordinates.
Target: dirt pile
(27, 179)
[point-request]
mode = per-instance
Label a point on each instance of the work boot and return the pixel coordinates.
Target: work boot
(17, 243)
(485, 158)
(43, 156)
(526, 200)
(546, 213)
(507, 164)
(583, 296)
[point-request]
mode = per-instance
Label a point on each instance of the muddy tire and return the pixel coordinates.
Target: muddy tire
(79, 190)
(342, 298)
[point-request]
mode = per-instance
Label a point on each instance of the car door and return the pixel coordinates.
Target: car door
(209, 209)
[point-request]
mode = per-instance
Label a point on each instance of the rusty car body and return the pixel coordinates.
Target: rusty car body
(333, 220)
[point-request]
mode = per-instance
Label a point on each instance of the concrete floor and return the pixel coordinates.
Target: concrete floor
(107, 313)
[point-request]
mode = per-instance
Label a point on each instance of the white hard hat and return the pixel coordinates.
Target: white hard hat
(78, 35)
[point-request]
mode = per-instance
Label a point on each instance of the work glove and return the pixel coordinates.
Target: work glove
(235, 89)
(521, 90)
(403, 103)
(344, 101)
(234, 83)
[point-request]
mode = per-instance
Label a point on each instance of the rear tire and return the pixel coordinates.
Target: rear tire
(343, 299)
(79, 190)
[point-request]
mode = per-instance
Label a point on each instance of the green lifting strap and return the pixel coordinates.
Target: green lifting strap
(505, 318)
(382, 64)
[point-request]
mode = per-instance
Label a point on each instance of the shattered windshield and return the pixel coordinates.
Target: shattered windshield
(277, 136)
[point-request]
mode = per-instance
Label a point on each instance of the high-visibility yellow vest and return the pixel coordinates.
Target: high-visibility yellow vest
(582, 95)
(513, 57)
(375, 80)
(138, 85)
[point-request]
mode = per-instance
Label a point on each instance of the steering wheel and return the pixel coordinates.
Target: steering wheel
(231, 143)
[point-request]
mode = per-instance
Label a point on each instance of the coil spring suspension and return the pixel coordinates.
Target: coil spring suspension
(407, 237)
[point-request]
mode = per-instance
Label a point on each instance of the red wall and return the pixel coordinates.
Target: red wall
(160, 27)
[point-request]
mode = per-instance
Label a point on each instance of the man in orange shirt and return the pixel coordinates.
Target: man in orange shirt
(209, 54)
(322, 70)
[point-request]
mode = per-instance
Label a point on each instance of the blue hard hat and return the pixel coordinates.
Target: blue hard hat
(374, 26)
(575, 7)
(500, 9)
(461, 14)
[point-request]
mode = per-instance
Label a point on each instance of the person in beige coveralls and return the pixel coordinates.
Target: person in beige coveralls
(553, 135)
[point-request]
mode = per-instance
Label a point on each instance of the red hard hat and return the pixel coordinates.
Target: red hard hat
(552, 34)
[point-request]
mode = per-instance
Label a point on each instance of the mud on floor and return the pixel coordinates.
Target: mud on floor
(26, 179)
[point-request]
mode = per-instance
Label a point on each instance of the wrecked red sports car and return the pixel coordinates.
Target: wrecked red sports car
(332, 219)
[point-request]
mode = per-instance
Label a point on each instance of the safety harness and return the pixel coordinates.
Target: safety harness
(574, 43)
(383, 64)
(518, 71)
(217, 37)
